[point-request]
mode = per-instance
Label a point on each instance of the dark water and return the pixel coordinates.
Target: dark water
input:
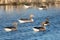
(10, 14)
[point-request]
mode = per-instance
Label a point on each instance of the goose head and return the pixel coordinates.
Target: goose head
(47, 19)
(15, 24)
(31, 17)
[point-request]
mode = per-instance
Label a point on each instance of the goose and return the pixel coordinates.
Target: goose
(26, 6)
(42, 7)
(27, 20)
(11, 28)
(37, 29)
(46, 22)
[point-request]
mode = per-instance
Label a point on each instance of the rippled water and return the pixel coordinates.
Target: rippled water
(10, 14)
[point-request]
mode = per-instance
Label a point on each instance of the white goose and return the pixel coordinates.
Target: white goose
(26, 20)
(26, 6)
(11, 28)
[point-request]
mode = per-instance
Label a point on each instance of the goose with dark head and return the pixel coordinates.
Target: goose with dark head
(46, 22)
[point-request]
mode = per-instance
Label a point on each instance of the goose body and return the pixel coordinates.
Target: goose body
(37, 29)
(40, 8)
(27, 6)
(11, 28)
(26, 20)
(8, 29)
(46, 23)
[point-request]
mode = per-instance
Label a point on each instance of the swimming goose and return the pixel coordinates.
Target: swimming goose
(11, 28)
(26, 6)
(46, 22)
(42, 7)
(26, 20)
(37, 29)
(43, 26)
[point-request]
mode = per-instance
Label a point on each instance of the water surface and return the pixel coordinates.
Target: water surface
(10, 14)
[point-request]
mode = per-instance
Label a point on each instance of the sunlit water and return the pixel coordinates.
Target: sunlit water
(10, 14)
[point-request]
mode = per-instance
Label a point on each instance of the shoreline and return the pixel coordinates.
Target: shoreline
(29, 4)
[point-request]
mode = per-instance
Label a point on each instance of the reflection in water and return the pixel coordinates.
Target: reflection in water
(57, 5)
(11, 8)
